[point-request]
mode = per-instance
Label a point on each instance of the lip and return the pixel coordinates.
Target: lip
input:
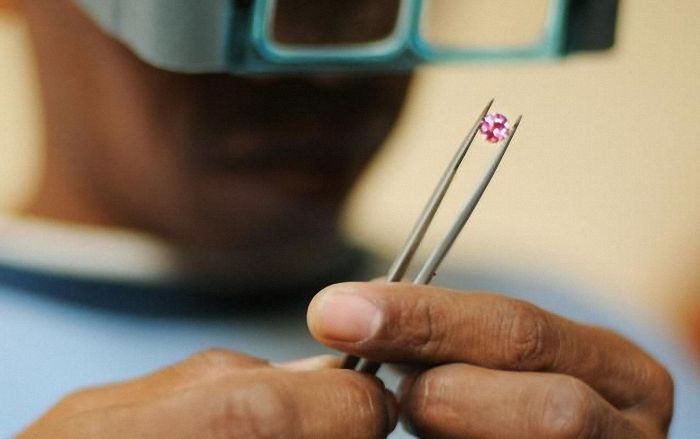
(268, 167)
(269, 183)
(273, 158)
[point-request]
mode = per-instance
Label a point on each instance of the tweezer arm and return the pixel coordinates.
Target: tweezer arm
(427, 272)
(403, 259)
(398, 268)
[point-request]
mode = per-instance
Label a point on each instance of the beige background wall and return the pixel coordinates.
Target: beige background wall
(601, 186)
(602, 183)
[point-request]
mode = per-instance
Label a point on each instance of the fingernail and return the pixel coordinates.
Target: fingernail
(348, 317)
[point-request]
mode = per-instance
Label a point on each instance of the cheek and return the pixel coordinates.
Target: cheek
(142, 185)
(149, 179)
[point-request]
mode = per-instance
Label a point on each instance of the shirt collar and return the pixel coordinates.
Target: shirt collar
(85, 251)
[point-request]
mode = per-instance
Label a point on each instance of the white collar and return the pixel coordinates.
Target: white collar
(86, 251)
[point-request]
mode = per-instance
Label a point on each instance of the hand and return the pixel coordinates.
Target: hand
(222, 394)
(493, 367)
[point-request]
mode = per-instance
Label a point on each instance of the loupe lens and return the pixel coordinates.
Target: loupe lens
(474, 24)
(332, 23)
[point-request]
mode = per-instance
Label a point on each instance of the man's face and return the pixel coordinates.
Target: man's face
(218, 164)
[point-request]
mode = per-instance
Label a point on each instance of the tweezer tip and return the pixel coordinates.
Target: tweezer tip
(486, 109)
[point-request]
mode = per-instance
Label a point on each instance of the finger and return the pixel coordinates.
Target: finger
(456, 401)
(408, 323)
(319, 362)
(259, 404)
(209, 364)
(203, 366)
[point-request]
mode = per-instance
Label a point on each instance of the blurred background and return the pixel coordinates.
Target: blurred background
(601, 186)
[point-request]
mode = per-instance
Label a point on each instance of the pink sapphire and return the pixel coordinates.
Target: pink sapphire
(495, 127)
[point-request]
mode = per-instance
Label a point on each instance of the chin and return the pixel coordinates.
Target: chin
(297, 255)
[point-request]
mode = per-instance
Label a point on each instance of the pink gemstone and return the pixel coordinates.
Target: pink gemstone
(495, 127)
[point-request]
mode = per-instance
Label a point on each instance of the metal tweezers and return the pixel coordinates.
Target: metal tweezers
(428, 271)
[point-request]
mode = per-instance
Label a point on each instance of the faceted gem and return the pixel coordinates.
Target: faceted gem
(495, 127)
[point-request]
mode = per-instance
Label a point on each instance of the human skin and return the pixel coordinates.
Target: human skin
(241, 175)
(220, 394)
(222, 165)
(487, 366)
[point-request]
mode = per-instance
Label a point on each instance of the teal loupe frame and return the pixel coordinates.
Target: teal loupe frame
(251, 47)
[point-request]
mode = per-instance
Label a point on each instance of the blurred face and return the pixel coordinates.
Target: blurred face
(234, 170)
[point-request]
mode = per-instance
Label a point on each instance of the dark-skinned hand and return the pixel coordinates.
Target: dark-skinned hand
(222, 394)
(486, 366)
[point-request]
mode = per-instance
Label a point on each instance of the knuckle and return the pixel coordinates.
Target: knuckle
(215, 360)
(79, 400)
(419, 326)
(567, 410)
(428, 402)
(75, 397)
(361, 398)
(524, 332)
(258, 411)
(364, 392)
(361, 388)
